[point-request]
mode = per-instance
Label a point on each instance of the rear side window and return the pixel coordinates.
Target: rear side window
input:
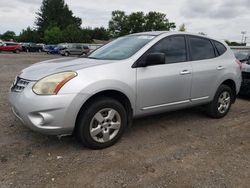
(174, 48)
(221, 49)
(11, 44)
(78, 47)
(201, 48)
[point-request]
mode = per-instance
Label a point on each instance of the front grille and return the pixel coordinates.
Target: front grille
(19, 84)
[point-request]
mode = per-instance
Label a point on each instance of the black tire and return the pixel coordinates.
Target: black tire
(17, 51)
(66, 53)
(213, 107)
(86, 116)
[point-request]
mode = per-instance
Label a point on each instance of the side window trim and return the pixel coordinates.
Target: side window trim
(217, 54)
(136, 64)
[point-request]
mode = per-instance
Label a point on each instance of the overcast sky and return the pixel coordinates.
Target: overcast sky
(222, 19)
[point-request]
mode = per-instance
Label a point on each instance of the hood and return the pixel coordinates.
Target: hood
(45, 68)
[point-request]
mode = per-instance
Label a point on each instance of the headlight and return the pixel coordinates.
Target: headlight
(51, 85)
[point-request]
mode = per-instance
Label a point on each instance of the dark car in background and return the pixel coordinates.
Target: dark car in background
(11, 47)
(32, 47)
(75, 49)
(48, 47)
(57, 48)
(243, 55)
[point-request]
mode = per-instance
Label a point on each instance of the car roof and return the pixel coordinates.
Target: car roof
(11, 42)
(154, 33)
(158, 33)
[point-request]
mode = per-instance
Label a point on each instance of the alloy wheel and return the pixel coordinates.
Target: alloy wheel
(105, 125)
(224, 102)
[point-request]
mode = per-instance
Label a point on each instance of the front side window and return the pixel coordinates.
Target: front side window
(201, 48)
(173, 47)
(121, 48)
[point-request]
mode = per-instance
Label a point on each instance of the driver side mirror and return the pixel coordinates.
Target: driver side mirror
(154, 59)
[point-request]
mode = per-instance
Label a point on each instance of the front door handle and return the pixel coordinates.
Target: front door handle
(184, 72)
(220, 68)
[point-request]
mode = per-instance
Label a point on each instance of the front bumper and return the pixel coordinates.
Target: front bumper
(51, 114)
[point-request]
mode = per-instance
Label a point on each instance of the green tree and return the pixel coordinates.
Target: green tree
(72, 33)
(122, 24)
(182, 27)
(55, 13)
(118, 25)
(233, 43)
(100, 33)
(156, 21)
(136, 22)
(8, 35)
(53, 35)
(29, 35)
(87, 35)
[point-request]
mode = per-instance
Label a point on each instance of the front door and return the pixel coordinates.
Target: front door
(165, 86)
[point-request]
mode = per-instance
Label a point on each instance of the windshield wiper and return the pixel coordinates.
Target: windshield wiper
(92, 57)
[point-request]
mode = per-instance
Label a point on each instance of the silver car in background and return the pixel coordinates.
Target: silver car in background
(97, 97)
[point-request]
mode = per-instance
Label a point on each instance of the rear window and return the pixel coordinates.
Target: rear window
(221, 49)
(201, 48)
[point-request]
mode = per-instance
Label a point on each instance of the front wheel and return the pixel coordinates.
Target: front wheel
(222, 102)
(101, 124)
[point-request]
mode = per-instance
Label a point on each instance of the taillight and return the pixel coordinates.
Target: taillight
(239, 63)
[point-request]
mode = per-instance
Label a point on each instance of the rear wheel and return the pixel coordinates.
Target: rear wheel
(66, 54)
(101, 124)
(222, 102)
(17, 51)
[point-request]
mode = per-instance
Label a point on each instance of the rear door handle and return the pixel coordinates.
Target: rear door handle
(220, 68)
(184, 72)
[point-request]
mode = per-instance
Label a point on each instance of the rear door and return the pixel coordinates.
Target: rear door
(72, 49)
(161, 87)
(206, 68)
(78, 49)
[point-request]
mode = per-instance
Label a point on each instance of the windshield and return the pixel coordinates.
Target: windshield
(121, 48)
(241, 55)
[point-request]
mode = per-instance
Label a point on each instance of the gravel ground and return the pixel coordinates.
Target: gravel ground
(177, 149)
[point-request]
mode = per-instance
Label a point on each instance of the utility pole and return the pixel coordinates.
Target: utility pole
(243, 36)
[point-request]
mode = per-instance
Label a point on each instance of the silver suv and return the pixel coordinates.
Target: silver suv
(75, 49)
(96, 97)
